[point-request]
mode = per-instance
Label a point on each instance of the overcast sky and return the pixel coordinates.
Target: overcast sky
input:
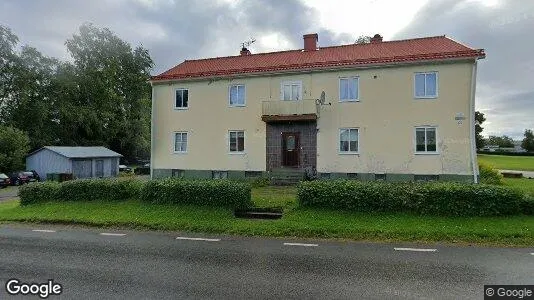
(174, 30)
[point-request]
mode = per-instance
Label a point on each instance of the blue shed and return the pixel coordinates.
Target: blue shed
(82, 162)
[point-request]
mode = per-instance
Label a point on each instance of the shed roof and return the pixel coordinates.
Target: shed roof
(80, 152)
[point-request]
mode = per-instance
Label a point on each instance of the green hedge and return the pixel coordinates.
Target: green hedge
(225, 193)
(80, 190)
(527, 206)
(506, 153)
(432, 198)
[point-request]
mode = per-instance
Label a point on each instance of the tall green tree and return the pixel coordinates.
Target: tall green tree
(528, 141)
(111, 92)
(26, 89)
(479, 139)
(14, 145)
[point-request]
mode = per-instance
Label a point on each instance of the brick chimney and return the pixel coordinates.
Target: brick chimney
(310, 41)
(245, 51)
(377, 38)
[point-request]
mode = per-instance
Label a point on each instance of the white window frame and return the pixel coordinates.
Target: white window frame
(291, 83)
(238, 85)
(339, 141)
(415, 87)
(174, 97)
(244, 142)
(174, 142)
(357, 86)
(426, 152)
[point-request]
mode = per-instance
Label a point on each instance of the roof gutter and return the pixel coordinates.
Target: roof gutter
(472, 120)
(312, 69)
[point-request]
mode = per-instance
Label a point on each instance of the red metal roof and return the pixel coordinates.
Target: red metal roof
(401, 51)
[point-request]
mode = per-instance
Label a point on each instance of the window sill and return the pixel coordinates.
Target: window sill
(425, 97)
(179, 152)
(351, 100)
(181, 108)
(237, 153)
(238, 105)
(348, 153)
(426, 153)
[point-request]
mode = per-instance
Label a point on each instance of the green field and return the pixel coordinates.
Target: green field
(503, 162)
(296, 222)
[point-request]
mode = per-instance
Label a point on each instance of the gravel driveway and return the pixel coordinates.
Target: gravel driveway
(9, 193)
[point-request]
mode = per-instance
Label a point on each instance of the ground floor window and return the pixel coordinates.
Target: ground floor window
(180, 142)
(348, 140)
(425, 139)
(237, 141)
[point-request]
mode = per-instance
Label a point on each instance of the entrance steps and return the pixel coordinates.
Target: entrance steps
(286, 176)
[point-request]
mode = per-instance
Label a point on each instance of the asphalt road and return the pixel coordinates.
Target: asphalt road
(148, 265)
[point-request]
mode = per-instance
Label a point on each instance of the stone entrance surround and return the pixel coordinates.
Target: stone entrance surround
(308, 143)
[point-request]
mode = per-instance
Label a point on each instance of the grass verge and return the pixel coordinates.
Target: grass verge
(503, 162)
(297, 222)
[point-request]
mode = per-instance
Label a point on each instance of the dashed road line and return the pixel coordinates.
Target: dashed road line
(112, 234)
(416, 249)
(43, 230)
(197, 239)
(301, 244)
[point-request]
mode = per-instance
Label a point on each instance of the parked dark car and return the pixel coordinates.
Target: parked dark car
(18, 178)
(4, 180)
(125, 168)
(33, 176)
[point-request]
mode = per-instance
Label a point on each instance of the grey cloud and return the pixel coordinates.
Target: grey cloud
(505, 92)
(171, 30)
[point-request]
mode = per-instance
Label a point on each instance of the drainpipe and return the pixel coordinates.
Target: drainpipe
(152, 143)
(472, 123)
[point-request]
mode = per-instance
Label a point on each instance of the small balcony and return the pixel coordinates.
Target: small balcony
(293, 110)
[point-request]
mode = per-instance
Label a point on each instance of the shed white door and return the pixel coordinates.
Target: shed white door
(82, 168)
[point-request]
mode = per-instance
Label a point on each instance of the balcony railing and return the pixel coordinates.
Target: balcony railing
(280, 110)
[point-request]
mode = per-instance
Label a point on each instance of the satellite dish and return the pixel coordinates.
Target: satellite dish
(323, 96)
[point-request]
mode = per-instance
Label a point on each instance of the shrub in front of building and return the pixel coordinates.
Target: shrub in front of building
(430, 198)
(219, 192)
(80, 190)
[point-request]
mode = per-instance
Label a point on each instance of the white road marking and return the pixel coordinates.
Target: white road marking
(112, 234)
(416, 249)
(532, 253)
(197, 239)
(301, 244)
(43, 230)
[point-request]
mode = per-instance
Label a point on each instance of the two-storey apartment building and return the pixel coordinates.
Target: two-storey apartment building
(393, 110)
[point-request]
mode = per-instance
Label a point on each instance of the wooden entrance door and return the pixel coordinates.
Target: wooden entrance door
(290, 149)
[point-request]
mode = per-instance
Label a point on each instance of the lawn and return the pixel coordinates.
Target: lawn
(296, 222)
(503, 162)
(524, 184)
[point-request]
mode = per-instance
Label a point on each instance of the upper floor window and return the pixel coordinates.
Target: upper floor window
(237, 95)
(425, 140)
(348, 140)
(181, 99)
(237, 141)
(349, 89)
(291, 90)
(426, 85)
(180, 142)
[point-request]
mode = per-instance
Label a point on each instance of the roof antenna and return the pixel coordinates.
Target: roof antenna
(244, 45)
